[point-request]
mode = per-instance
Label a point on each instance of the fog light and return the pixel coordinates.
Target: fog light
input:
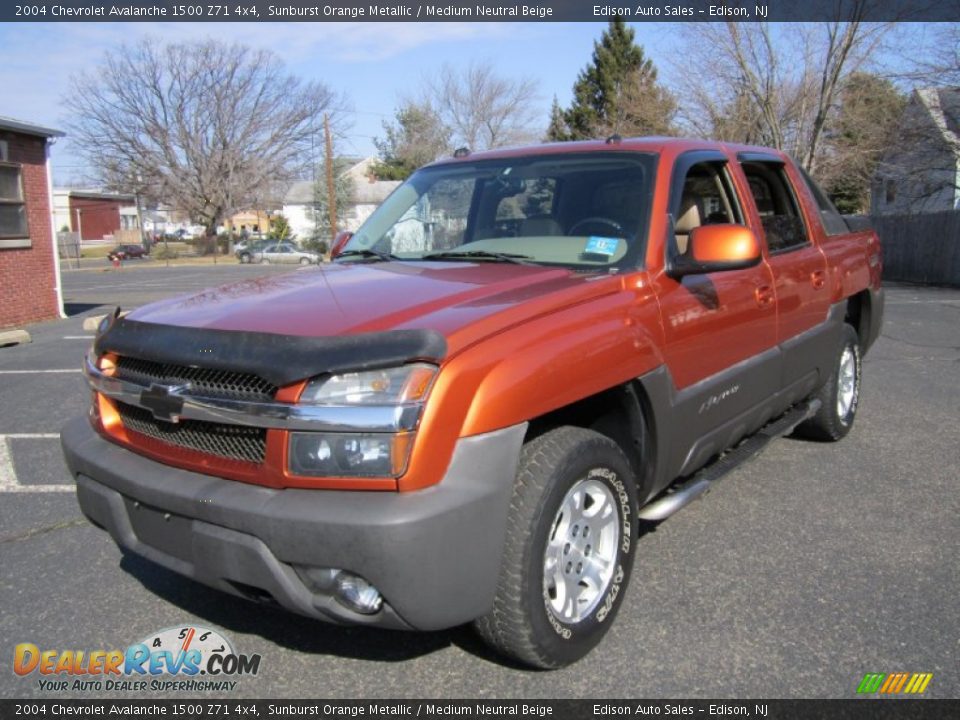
(319, 579)
(357, 594)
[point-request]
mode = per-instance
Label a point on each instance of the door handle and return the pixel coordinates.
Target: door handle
(764, 295)
(818, 278)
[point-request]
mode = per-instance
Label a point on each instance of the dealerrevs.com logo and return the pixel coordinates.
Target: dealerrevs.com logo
(178, 658)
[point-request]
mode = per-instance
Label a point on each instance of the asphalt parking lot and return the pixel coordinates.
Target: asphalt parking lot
(797, 574)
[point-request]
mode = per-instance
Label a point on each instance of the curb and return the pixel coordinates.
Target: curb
(14, 337)
(93, 322)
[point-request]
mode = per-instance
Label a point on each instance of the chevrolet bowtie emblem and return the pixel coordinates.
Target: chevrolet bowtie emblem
(164, 401)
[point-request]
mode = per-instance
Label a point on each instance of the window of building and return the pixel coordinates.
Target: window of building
(13, 212)
(891, 191)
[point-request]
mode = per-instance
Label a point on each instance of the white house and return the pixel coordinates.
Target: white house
(365, 196)
(920, 173)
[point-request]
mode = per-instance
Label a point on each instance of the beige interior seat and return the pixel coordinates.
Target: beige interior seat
(540, 225)
(689, 218)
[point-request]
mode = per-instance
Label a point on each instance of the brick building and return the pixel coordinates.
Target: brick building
(93, 214)
(29, 271)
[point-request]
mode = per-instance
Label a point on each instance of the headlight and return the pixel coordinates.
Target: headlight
(392, 386)
(361, 453)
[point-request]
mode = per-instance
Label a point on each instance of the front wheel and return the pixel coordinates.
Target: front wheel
(304, 261)
(840, 395)
(245, 258)
(568, 551)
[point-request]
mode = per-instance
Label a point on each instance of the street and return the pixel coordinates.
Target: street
(798, 573)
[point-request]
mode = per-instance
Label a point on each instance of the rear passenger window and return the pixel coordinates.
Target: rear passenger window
(833, 221)
(777, 206)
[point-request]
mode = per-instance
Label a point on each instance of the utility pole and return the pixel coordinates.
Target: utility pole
(331, 188)
(138, 188)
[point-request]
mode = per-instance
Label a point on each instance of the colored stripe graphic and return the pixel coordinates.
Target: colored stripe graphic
(895, 683)
(871, 682)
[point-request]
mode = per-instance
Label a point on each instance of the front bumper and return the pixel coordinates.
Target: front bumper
(433, 554)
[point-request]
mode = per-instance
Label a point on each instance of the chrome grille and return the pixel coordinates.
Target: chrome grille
(234, 442)
(204, 382)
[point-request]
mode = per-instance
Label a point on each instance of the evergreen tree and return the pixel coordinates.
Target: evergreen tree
(557, 129)
(618, 91)
(280, 228)
(319, 214)
(416, 138)
(860, 132)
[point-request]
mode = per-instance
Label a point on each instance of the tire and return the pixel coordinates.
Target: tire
(245, 258)
(304, 261)
(554, 603)
(839, 396)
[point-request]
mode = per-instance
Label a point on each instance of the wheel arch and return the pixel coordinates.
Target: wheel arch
(622, 413)
(865, 314)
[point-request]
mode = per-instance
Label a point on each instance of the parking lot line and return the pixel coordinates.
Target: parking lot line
(32, 372)
(78, 337)
(8, 476)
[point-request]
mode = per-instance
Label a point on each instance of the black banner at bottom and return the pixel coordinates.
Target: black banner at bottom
(866, 708)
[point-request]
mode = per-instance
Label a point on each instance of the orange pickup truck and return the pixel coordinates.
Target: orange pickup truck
(520, 357)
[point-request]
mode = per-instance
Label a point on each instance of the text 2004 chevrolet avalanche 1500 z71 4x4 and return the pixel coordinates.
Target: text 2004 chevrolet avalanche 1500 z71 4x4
(519, 356)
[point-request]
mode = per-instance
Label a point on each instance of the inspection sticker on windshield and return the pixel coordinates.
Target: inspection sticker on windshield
(601, 245)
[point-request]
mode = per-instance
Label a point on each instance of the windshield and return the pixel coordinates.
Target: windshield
(585, 211)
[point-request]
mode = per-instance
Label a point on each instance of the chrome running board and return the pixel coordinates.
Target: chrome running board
(679, 496)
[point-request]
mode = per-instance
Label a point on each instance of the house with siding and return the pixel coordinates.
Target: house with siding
(920, 173)
(29, 271)
(366, 194)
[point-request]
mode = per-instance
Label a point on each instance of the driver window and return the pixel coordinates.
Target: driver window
(707, 198)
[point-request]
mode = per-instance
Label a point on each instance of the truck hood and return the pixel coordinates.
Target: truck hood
(463, 301)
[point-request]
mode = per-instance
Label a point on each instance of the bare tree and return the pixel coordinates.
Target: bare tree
(939, 63)
(778, 91)
(483, 109)
(205, 126)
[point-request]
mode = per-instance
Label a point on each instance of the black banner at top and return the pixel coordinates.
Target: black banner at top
(191, 708)
(479, 10)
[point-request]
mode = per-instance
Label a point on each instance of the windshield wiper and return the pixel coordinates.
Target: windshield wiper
(480, 254)
(367, 253)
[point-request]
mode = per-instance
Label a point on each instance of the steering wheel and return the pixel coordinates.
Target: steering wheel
(617, 227)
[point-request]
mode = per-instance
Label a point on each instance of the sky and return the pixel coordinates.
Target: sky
(374, 64)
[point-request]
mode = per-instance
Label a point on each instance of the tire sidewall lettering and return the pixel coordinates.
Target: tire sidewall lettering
(611, 478)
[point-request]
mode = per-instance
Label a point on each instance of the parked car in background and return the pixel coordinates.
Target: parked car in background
(285, 253)
(125, 252)
(245, 250)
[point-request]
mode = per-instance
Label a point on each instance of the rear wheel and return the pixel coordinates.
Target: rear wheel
(304, 261)
(839, 396)
(568, 552)
(245, 258)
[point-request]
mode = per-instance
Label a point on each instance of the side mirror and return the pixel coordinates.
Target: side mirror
(339, 242)
(715, 248)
